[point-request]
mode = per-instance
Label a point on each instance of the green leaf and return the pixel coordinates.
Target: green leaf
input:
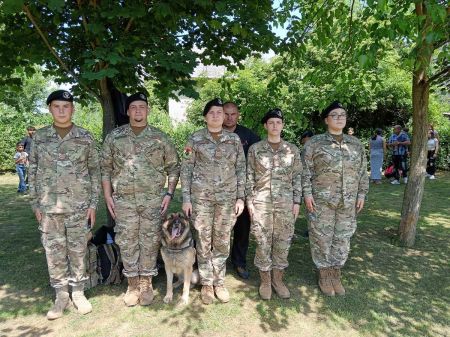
(12, 6)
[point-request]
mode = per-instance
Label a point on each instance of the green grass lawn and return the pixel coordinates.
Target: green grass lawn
(391, 290)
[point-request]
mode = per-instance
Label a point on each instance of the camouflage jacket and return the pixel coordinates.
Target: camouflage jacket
(64, 174)
(335, 172)
(213, 170)
(138, 166)
(274, 176)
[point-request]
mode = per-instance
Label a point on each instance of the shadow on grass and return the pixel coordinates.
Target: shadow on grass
(391, 290)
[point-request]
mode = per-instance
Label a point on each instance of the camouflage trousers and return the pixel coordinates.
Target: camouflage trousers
(273, 228)
(138, 234)
(330, 230)
(213, 223)
(65, 237)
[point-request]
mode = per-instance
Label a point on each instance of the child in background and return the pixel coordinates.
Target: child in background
(21, 160)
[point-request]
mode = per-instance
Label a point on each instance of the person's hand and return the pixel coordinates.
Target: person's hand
(295, 211)
(359, 205)
(239, 207)
(165, 204)
(111, 207)
(38, 215)
(90, 215)
(310, 204)
(251, 209)
(187, 209)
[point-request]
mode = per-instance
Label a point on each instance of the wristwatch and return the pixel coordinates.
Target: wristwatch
(170, 195)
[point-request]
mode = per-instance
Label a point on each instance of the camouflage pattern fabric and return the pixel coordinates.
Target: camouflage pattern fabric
(273, 186)
(213, 170)
(138, 167)
(64, 174)
(330, 230)
(138, 234)
(213, 178)
(64, 179)
(65, 237)
(213, 223)
(335, 174)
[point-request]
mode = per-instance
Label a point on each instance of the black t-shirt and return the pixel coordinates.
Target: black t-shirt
(26, 141)
(247, 136)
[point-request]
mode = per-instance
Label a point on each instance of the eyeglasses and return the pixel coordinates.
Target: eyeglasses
(338, 116)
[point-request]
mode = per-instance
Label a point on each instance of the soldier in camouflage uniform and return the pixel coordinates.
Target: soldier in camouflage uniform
(213, 185)
(274, 192)
(64, 180)
(136, 160)
(335, 184)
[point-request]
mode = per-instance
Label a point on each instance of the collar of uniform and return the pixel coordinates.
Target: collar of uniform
(73, 133)
(208, 135)
(345, 138)
(268, 147)
(131, 133)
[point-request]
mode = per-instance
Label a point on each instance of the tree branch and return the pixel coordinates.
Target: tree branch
(53, 52)
(84, 20)
(441, 73)
(350, 26)
(127, 28)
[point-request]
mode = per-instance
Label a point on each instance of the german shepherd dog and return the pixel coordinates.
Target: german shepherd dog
(178, 253)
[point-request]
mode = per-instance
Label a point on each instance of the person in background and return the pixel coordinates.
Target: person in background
(350, 131)
(241, 229)
(433, 148)
(26, 141)
(399, 142)
(377, 147)
(21, 161)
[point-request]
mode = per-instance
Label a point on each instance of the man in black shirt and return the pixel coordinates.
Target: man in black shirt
(242, 226)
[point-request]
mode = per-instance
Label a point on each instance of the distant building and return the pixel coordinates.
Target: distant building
(177, 108)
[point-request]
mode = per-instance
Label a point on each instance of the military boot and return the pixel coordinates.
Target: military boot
(145, 290)
(278, 284)
(207, 294)
(325, 284)
(222, 294)
(265, 288)
(131, 297)
(336, 281)
(62, 302)
(80, 301)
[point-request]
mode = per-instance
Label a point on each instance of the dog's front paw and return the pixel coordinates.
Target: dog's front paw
(167, 299)
(183, 301)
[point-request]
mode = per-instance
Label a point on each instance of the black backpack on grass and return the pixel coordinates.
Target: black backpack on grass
(109, 263)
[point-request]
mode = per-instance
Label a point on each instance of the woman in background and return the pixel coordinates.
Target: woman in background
(377, 146)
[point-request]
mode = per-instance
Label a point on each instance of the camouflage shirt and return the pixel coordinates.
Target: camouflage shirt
(274, 176)
(138, 166)
(64, 174)
(213, 170)
(333, 171)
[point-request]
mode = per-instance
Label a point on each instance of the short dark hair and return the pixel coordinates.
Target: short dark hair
(31, 128)
(20, 144)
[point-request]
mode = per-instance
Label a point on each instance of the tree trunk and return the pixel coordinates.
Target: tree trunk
(413, 194)
(109, 121)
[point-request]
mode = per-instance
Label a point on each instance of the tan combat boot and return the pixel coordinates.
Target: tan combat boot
(278, 284)
(265, 288)
(325, 284)
(80, 301)
(145, 290)
(222, 294)
(336, 282)
(131, 297)
(207, 294)
(62, 302)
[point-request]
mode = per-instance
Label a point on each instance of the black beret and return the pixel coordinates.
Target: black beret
(139, 96)
(272, 113)
(331, 107)
(211, 103)
(60, 95)
(307, 133)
